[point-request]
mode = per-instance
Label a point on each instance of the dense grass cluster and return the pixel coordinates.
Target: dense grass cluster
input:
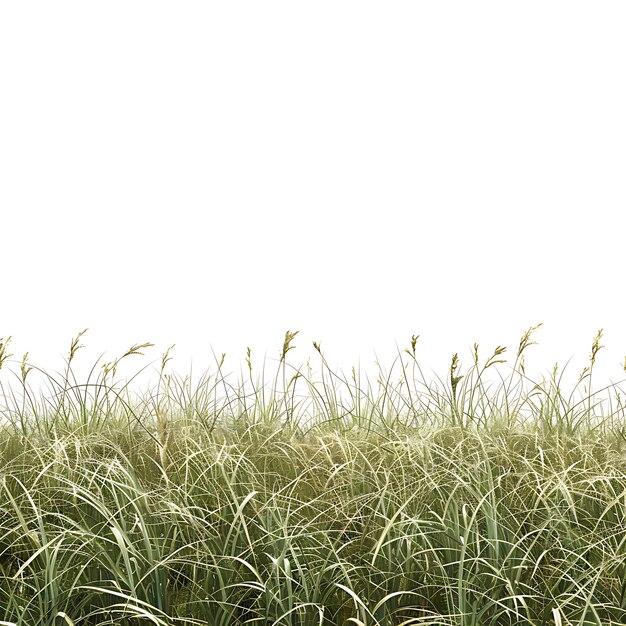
(303, 501)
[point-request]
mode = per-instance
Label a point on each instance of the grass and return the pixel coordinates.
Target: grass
(479, 499)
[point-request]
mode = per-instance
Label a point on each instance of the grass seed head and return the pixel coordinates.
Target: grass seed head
(596, 347)
(493, 359)
(454, 380)
(75, 346)
(289, 337)
(24, 367)
(137, 348)
(166, 357)
(3, 350)
(525, 340)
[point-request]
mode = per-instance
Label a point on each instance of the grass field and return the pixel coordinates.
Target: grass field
(481, 498)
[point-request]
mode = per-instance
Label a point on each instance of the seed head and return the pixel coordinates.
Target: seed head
(525, 340)
(75, 346)
(25, 367)
(596, 347)
(3, 350)
(289, 337)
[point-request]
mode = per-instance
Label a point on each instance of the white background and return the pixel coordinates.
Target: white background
(212, 174)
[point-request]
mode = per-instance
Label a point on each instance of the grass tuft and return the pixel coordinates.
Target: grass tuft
(299, 498)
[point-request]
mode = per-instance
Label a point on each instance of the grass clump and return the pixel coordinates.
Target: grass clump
(329, 501)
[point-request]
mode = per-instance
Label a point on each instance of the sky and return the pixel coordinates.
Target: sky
(213, 174)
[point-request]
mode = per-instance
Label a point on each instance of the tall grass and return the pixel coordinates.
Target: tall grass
(481, 498)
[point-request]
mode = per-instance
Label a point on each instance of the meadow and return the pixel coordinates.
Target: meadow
(293, 496)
